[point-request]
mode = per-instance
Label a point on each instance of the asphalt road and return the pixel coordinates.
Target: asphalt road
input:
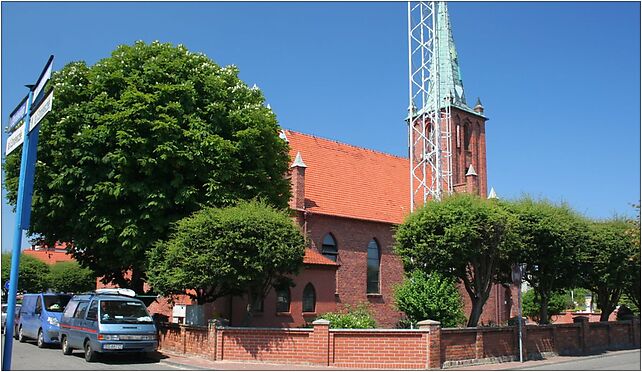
(616, 361)
(27, 356)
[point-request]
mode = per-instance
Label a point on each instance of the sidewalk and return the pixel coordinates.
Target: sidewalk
(198, 363)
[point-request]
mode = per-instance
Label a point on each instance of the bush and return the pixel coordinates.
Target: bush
(70, 277)
(429, 296)
(33, 273)
(531, 308)
(351, 317)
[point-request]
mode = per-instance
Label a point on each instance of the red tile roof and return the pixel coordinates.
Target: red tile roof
(313, 257)
(349, 181)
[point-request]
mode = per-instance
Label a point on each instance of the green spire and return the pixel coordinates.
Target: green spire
(450, 82)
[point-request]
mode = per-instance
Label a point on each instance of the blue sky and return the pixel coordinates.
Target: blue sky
(560, 82)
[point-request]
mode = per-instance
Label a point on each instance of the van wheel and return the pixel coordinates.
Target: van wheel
(41, 339)
(65, 347)
(90, 354)
(21, 336)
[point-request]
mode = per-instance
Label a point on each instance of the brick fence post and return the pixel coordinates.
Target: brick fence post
(479, 344)
(184, 338)
(584, 332)
(211, 339)
(433, 348)
(636, 332)
(321, 341)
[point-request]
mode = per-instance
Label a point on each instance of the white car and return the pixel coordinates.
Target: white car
(4, 315)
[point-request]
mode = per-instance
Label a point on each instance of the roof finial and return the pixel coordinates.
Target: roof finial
(492, 194)
(471, 171)
(478, 107)
(298, 161)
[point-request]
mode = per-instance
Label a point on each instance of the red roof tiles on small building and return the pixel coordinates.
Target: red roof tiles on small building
(349, 181)
(313, 257)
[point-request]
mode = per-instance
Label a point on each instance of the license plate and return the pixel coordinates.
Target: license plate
(113, 346)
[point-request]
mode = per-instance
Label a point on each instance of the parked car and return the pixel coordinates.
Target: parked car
(4, 315)
(39, 317)
(107, 321)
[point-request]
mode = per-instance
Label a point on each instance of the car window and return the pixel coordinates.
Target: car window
(112, 311)
(92, 313)
(80, 311)
(70, 309)
(38, 309)
(56, 303)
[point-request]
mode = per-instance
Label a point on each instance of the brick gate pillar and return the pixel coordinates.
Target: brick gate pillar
(434, 343)
(321, 341)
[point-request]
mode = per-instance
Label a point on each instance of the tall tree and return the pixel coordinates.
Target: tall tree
(140, 140)
(462, 237)
(245, 249)
(552, 236)
(605, 266)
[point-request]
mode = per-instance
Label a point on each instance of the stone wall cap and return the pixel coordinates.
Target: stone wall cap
(428, 322)
(321, 322)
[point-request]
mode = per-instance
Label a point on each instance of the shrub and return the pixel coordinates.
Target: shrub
(351, 317)
(429, 296)
(531, 307)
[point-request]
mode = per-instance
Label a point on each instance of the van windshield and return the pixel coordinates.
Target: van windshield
(56, 303)
(113, 311)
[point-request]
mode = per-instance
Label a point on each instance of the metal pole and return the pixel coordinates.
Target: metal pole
(17, 241)
(519, 303)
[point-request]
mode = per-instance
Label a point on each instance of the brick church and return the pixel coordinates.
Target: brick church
(348, 200)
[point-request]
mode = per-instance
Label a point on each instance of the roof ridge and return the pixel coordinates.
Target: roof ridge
(347, 144)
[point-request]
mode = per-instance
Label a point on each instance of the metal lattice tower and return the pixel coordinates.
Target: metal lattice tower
(430, 99)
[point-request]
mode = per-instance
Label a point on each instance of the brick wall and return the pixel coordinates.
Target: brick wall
(427, 347)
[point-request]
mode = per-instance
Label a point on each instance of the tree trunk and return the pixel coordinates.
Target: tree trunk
(136, 282)
(475, 311)
(543, 309)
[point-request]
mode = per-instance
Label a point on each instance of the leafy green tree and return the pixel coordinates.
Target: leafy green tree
(605, 266)
(71, 277)
(424, 296)
(633, 290)
(351, 317)
(248, 248)
(557, 303)
(552, 236)
(140, 140)
(463, 237)
(33, 274)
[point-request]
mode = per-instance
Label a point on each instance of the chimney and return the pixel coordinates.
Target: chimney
(472, 186)
(298, 183)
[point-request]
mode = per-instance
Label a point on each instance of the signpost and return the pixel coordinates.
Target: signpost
(517, 280)
(28, 137)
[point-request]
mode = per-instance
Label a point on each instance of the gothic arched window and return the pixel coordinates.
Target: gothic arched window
(374, 259)
(309, 299)
(329, 247)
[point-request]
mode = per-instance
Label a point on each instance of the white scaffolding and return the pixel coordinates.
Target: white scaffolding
(429, 137)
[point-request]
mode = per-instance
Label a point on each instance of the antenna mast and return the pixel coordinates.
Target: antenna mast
(429, 137)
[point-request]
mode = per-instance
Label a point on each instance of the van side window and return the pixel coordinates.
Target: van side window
(80, 311)
(70, 309)
(92, 313)
(38, 305)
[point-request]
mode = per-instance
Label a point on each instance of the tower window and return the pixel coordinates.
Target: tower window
(309, 299)
(329, 247)
(374, 259)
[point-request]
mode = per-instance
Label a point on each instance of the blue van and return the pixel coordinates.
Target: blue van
(39, 317)
(107, 321)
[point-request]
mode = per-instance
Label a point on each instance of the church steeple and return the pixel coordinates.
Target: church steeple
(450, 81)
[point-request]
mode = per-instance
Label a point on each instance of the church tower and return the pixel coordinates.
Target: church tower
(459, 154)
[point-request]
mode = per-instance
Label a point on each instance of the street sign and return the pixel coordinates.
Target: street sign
(15, 139)
(40, 111)
(42, 80)
(17, 114)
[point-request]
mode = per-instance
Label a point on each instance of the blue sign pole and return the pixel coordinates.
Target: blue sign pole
(17, 241)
